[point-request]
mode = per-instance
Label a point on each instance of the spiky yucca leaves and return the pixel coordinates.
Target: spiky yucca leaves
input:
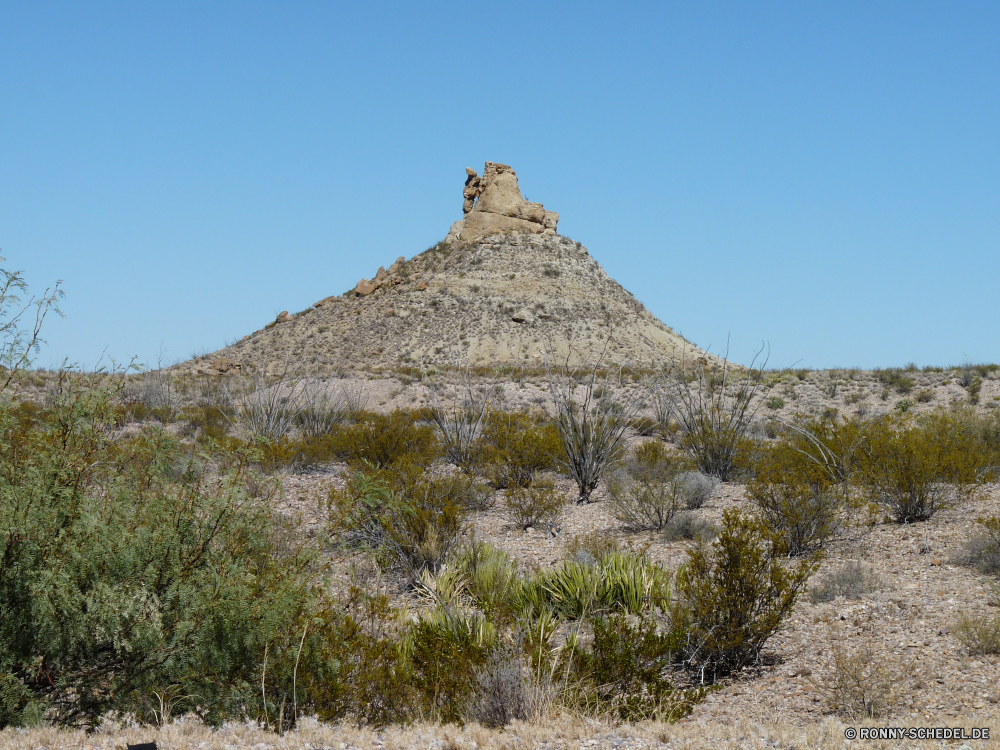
(491, 579)
(622, 581)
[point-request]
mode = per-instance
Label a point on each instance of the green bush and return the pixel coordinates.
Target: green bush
(732, 597)
(446, 649)
(624, 672)
(800, 517)
(537, 505)
(818, 450)
(127, 571)
(645, 492)
(915, 470)
(384, 440)
(895, 378)
(515, 447)
(411, 521)
(204, 422)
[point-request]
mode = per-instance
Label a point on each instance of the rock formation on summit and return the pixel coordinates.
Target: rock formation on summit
(493, 204)
(501, 289)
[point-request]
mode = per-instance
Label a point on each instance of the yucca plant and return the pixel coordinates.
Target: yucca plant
(633, 583)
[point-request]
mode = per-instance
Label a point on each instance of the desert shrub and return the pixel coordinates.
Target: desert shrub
(410, 521)
(688, 526)
(774, 403)
(128, 571)
(383, 440)
(204, 422)
(715, 406)
(591, 429)
(515, 447)
(264, 407)
(979, 633)
(732, 596)
(591, 546)
(825, 449)
(502, 691)
(851, 581)
(539, 504)
(371, 686)
(446, 649)
(644, 493)
(915, 470)
(696, 488)
(861, 687)
(800, 517)
(646, 427)
(423, 537)
(321, 411)
(983, 549)
(624, 672)
(151, 396)
(895, 378)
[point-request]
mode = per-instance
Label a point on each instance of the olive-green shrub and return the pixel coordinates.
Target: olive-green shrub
(128, 571)
(515, 447)
(732, 596)
(915, 468)
(645, 492)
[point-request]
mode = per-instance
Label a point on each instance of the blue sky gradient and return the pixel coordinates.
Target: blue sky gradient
(821, 176)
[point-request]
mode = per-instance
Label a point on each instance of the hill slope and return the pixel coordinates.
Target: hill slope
(504, 299)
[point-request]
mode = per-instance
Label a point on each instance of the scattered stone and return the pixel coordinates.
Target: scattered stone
(364, 288)
(225, 365)
(283, 317)
(421, 286)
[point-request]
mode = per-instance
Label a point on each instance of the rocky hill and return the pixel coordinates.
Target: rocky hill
(501, 288)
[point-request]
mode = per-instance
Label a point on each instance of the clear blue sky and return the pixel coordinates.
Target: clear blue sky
(822, 176)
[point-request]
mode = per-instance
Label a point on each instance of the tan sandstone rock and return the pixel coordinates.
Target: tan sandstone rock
(364, 288)
(494, 205)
